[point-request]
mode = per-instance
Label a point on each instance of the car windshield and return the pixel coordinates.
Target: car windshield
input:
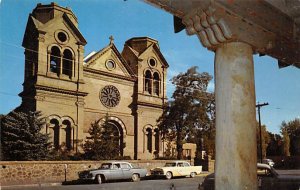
(170, 164)
(105, 166)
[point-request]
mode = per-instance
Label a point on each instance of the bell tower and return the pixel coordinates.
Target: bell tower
(53, 80)
(150, 67)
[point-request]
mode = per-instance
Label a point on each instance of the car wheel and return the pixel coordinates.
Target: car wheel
(98, 179)
(193, 174)
(169, 175)
(135, 177)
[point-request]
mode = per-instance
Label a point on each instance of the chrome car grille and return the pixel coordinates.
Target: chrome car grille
(83, 174)
(157, 172)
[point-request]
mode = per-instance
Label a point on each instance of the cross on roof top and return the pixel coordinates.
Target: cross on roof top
(111, 38)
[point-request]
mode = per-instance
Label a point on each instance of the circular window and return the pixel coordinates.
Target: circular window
(62, 36)
(110, 65)
(110, 96)
(152, 62)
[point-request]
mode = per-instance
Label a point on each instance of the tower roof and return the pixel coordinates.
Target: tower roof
(140, 44)
(44, 13)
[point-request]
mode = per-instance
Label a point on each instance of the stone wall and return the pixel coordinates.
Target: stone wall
(27, 172)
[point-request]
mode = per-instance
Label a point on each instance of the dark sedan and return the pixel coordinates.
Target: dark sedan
(268, 179)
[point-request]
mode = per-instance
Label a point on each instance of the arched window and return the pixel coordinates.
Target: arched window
(55, 127)
(55, 60)
(148, 82)
(68, 129)
(149, 139)
(156, 82)
(67, 63)
(156, 135)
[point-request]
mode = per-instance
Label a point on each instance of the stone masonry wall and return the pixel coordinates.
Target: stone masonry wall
(28, 172)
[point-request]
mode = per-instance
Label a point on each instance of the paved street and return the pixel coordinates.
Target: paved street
(161, 184)
(288, 172)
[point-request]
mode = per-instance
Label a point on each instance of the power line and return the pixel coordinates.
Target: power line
(133, 75)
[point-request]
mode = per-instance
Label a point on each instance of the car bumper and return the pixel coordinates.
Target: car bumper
(158, 174)
(86, 178)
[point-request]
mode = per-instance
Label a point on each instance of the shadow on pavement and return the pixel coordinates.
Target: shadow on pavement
(77, 182)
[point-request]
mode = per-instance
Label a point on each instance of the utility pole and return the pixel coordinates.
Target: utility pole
(259, 122)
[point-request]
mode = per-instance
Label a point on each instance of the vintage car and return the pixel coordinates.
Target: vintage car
(113, 171)
(268, 179)
(176, 168)
(269, 162)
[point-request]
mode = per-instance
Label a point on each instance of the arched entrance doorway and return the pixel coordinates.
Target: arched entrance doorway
(116, 131)
(117, 135)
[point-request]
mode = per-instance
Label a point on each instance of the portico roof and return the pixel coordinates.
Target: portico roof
(271, 27)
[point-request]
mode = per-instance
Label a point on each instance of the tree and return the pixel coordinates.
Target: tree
(103, 143)
(275, 145)
(187, 113)
(170, 137)
(21, 136)
(292, 129)
(286, 142)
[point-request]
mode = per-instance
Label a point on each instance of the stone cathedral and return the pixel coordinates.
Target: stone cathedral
(72, 91)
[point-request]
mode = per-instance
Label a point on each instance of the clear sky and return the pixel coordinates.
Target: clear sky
(124, 19)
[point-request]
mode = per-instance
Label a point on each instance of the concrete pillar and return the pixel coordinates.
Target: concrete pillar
(235, 117)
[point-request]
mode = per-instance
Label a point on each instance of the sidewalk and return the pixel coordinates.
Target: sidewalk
(29, 185)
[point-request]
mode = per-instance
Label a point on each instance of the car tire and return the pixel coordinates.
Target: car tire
(193, 174)
(98, 179)
(135, 177)
(169, 175)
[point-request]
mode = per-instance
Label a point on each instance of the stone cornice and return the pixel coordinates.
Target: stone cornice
(74, 30)
(62, 91)
(90, 70)
(150, 104)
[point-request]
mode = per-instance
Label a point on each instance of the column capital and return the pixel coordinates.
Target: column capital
(80, 103)
(215, 25)
(210, 31)
(80, 48)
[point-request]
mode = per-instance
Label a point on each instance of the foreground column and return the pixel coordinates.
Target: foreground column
(235, 117)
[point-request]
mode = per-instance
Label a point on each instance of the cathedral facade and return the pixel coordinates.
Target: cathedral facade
(73, 91)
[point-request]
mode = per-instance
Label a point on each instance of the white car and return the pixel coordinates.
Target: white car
(269, 162)
(268, 179)
(177, 168)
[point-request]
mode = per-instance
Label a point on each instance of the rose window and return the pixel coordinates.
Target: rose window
(110, 96)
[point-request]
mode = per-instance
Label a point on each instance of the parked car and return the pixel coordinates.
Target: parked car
(113, 171)
(176, 168)
(268, 179)
(268, 161)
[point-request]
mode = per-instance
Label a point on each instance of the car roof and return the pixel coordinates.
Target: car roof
(115, 162)
(263, 166)
(174, 161)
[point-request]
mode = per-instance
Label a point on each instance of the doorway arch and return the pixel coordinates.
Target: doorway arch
(118, 132)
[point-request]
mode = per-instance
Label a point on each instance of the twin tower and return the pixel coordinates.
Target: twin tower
(72, 91)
